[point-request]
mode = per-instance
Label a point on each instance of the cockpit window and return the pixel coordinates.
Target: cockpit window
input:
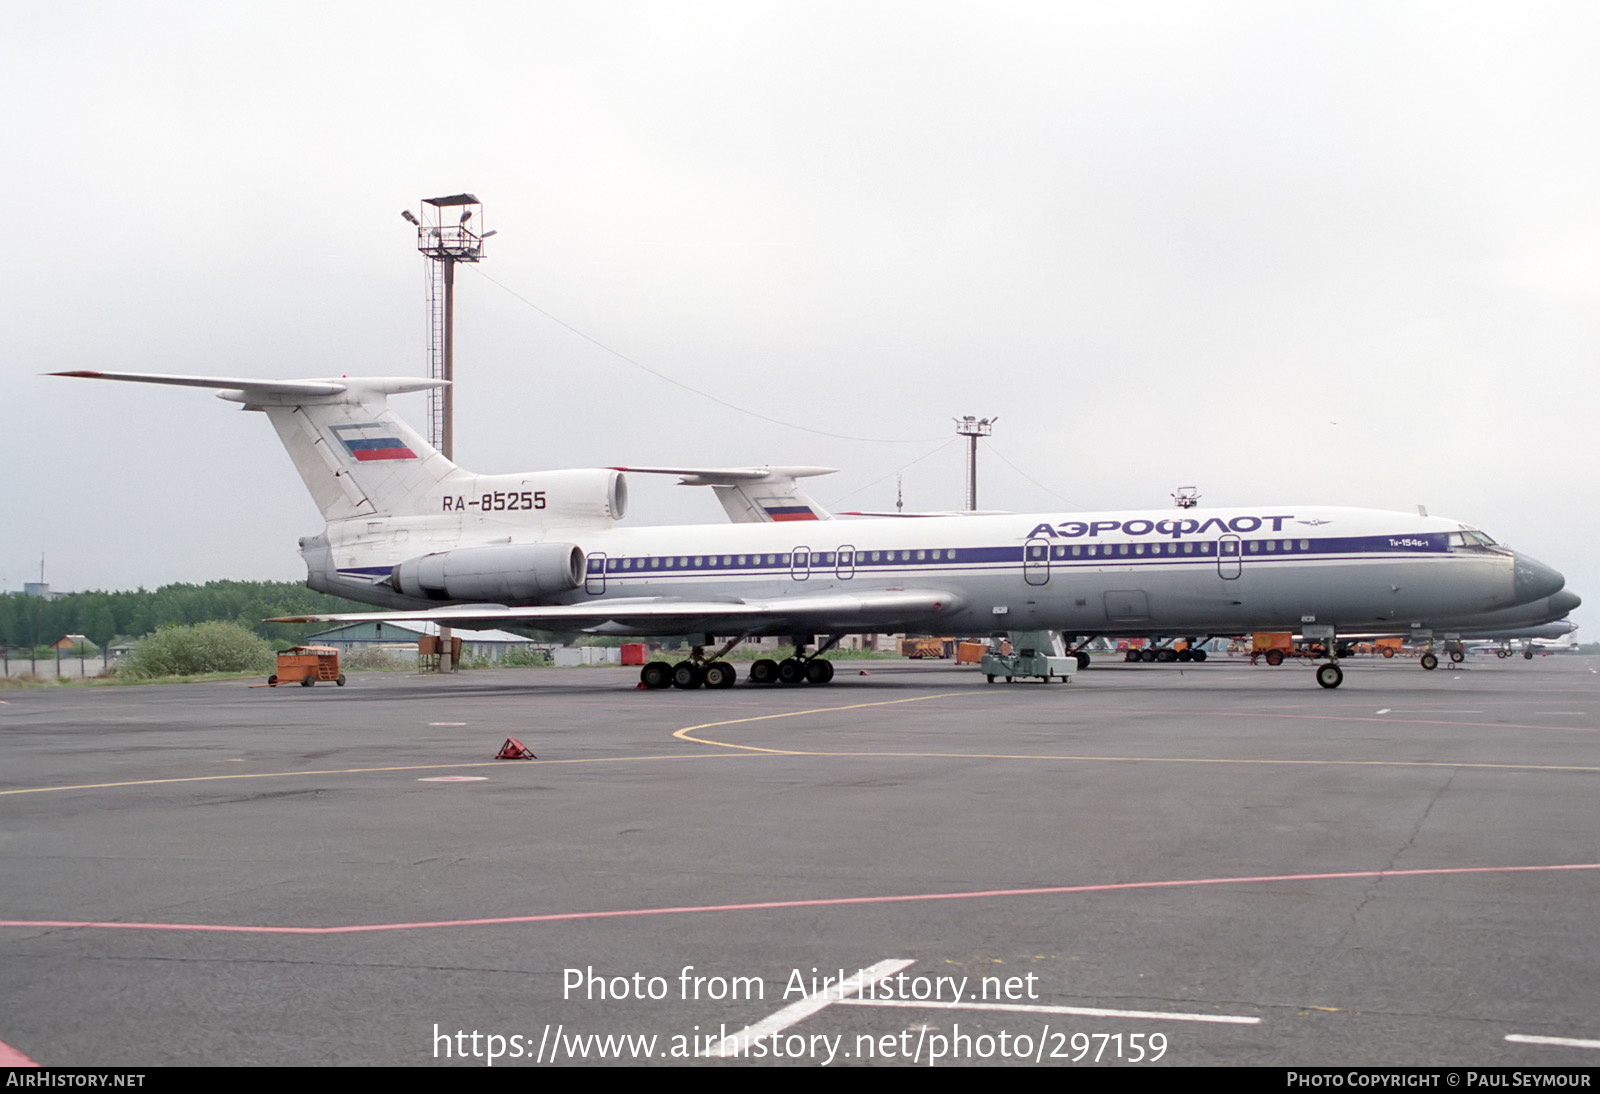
(1469, 538)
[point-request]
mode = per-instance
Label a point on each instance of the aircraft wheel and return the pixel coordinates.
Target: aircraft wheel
(1502, 654)
(1387, 652)
(1457, 656)
(719, 675)
(340, 680)
(687, 675)
(764, 671)
(1083, 659)
(656, 675)
(819, 671)
(1274, 658)
(1527, 655)
(1199, 655)
(272, 681)
(1430, 661)
(791, 671)
(1330, 675)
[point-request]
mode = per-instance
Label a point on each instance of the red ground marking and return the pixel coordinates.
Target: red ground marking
(10, 1057)
(558, 917)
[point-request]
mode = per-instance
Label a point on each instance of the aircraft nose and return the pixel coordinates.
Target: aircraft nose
(1565, 601)
(1532, 580)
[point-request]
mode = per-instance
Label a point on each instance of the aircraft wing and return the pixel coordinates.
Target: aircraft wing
(817, 613)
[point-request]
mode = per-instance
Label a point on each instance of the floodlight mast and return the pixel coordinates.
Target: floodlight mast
(972, 428)
(444, 238)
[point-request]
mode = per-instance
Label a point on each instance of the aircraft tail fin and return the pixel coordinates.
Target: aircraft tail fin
(752, 495)
(355, 455)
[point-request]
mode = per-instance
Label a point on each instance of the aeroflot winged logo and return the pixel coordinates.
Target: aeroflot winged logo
(372, 441)
(1176, 527)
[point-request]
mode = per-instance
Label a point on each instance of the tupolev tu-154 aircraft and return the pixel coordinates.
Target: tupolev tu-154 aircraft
(426, 540)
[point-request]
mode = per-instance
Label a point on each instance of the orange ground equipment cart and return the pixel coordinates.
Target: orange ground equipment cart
(306, 665)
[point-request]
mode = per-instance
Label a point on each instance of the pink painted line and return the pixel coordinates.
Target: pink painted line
(10, 1057)
(770, 905)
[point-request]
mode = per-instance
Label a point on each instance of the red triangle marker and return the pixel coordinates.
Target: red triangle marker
(514, 749)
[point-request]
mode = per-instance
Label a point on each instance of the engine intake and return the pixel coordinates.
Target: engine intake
(511, 573)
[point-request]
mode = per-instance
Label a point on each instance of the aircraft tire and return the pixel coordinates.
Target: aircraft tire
(1430, 661)
(1457, 656)
(687, 675)
(1330, 675)
(1527, 655)
(791, 671)
(656, 675)
(819, 671)
(1083, 660)
(719, 675)
(764, 671)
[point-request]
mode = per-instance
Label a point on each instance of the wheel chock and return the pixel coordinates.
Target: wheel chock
(514, 749)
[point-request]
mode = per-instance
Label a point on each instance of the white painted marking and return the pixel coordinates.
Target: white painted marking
(447, 723)
(734, 1043)
(1082, 1012)
(1385, 710)
(1564, 1042)
(456, 779)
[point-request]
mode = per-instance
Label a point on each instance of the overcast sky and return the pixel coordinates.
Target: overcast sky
(1296, 253)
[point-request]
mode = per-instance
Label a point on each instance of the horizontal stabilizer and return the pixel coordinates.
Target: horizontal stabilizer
(250, 390)
(356, 457)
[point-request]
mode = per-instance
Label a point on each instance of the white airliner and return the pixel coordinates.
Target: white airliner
(410, 531)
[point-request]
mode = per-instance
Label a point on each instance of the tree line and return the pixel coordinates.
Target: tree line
(102, 616)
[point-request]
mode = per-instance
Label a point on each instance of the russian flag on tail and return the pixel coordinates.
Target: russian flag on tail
(372, 441)
(785, 509)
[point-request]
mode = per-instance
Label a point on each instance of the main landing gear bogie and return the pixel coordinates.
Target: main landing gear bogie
(792, 671)
(688, 675)
(717, 675)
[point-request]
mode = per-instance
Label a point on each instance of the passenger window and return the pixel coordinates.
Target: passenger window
(1305, 545)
